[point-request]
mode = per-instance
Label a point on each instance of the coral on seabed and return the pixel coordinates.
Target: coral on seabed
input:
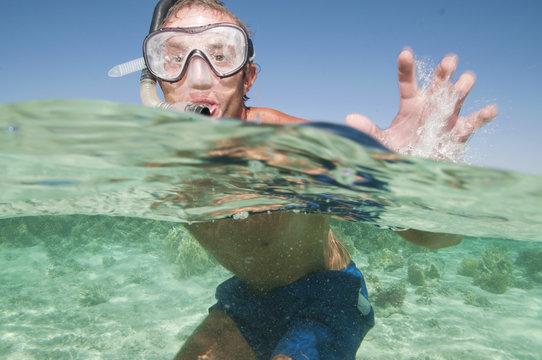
(493, 282)
(424, 268)
(387, 260)
(366, 238)
(392, 295)
(531, 261)
(415, 275)
(495, 260)
(425, 294)
(93, 295)
(468, 267)
(493, 272)
(472, 299)
(15, 233)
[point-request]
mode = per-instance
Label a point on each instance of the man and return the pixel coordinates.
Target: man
(296, 294)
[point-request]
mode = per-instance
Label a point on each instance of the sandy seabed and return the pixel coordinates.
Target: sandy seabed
(107, 298)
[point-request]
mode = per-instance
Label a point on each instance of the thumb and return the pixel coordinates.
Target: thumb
(363, 123)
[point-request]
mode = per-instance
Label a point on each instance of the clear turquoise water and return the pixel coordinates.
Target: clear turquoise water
(95, 262)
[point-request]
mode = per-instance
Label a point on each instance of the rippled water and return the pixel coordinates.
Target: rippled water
(81, 157)
(96, 262)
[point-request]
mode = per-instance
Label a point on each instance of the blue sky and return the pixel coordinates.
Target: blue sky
(319, 59)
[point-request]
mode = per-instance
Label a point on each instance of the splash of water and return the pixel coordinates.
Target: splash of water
(434, 138)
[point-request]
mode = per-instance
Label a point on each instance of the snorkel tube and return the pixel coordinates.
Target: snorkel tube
(147, 82)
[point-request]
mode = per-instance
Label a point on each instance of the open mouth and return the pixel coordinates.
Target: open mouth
(212, 108)
(211, 105)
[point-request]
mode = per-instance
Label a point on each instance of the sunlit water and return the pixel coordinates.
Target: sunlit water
(95, 262)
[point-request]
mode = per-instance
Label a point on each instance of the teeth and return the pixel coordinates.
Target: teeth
(202, 103)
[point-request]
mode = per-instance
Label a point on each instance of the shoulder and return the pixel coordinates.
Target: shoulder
(271, 116)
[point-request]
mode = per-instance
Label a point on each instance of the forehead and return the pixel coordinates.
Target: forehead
(197, 16)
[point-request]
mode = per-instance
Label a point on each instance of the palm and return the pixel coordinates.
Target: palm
(428, 119)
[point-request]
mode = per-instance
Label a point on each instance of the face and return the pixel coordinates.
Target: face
(200, 84)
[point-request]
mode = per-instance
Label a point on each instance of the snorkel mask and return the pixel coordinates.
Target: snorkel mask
(225, 47)
(167, 53)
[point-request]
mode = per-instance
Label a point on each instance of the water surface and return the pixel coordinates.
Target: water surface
(96, 262)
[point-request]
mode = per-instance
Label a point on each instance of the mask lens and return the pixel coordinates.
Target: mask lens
(225, 49)
(167, 52)
(165, 55)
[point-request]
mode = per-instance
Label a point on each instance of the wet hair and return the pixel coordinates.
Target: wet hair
(214, 5)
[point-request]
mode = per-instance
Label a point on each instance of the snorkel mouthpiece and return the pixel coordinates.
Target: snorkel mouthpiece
(186, 107)
(197, 108)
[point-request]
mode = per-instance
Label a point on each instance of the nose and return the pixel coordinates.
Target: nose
(199, 74)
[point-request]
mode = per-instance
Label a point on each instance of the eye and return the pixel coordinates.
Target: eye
(220, 57)
(174, 59)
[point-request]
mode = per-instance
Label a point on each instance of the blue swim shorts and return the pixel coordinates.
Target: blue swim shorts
(324, 315)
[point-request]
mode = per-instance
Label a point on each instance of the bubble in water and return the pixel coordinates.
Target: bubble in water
(12, 128)
(240, 215)
(343, 175)
(255, 166)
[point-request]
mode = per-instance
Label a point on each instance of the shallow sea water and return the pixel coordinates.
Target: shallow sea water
(96, 264)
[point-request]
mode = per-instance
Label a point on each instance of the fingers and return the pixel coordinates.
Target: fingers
(461, 89)
(467, 126)
(408, 85)
(444, 70)
(457, 92)
(363, 123)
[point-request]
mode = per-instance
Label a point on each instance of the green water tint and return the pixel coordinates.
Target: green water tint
(135, 285)
(90, 157)
(101, 287)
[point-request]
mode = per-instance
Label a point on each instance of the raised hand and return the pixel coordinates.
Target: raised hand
(428, 122)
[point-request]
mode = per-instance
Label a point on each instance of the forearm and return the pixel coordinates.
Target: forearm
(430, 240)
